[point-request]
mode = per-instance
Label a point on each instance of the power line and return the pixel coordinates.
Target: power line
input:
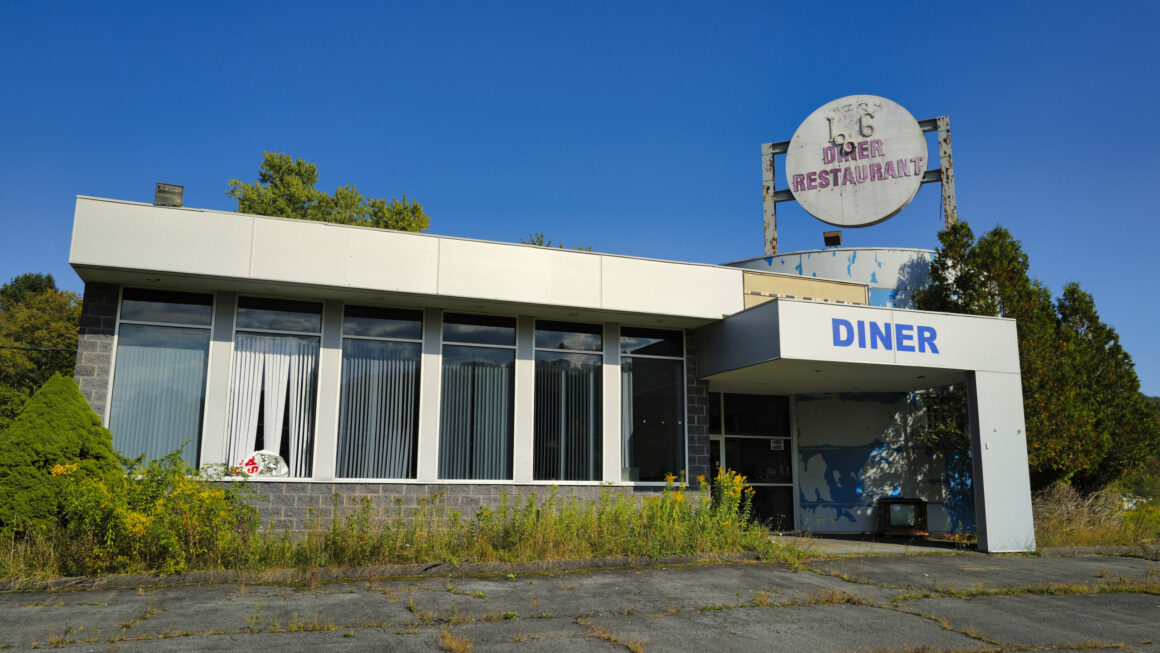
(38, 348)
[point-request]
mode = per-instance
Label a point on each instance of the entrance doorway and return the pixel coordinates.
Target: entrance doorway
(751, 435)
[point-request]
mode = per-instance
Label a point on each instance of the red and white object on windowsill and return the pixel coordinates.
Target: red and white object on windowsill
(262, 463)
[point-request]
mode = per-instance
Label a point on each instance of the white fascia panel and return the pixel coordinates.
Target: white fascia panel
(518, 273)
(965, 342)
(809, 331)
(143, 237)
(324, 254)
(663, 288)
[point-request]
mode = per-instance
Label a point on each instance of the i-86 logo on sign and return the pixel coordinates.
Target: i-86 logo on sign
(856, 161)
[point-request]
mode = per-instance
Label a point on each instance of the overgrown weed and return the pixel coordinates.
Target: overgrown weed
(1064, 517)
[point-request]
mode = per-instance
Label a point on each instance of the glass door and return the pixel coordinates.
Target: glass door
(751, 435)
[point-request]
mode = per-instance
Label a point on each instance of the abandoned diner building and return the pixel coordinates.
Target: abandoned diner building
(395, 364)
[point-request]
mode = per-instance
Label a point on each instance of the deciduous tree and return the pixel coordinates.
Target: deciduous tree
(285, 188)
(38, 338)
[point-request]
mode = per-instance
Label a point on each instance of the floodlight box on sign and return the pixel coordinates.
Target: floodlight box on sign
(856, 161)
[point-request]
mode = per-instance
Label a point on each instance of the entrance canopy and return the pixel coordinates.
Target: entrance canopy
(801, 347)
(793, 347)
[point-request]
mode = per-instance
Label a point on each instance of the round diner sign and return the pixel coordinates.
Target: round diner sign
(856, 161)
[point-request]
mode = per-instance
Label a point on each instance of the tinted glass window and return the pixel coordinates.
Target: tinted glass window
(379, 412)
(479, 329)
(756, 415)
(382, 323)
(169, 307)
(652, 418)
(476, 413)
(761, 460)
(159, 390)
(567, 417)
(714, 412)
(650, 342)
(279, 315)
(567, 335)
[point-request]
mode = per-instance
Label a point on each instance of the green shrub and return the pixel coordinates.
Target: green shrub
(56, 428)
(163, 516)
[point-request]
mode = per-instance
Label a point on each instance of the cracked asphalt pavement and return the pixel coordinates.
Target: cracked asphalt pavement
(956, 602)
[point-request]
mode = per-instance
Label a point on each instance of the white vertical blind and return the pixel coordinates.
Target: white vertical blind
(475, 432)
(379, 414)
(159, 390)
(280, 374)
(567, 417)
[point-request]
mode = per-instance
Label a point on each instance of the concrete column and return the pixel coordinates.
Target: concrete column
(329, 391)
(217, 387)
(429, 396)
(611, 389)
(999, 451)
(524, 439)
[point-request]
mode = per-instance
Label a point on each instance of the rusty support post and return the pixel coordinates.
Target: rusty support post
(947, 167)
(769, 188)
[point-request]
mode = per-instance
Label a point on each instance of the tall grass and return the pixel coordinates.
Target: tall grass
(163, 519)
(1064, 517)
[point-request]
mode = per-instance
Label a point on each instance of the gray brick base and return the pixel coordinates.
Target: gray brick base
(289, 506)
(95, 344)
(697, 412)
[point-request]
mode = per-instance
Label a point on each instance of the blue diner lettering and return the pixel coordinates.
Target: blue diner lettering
(884, 335)
(903, 334)
(926, 336)
(843, 333)
(879, 335)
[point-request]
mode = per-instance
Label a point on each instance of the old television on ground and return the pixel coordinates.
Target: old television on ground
(898, 517)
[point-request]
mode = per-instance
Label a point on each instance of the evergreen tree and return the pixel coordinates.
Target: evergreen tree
(1087, 423)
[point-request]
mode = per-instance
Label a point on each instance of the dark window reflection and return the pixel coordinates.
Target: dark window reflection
(756, 415)
(168, 307)
(653, 414)
(479, 329)
(382, 323)
(760, 460)
(279, 315)
(567, 335)
(650, 342)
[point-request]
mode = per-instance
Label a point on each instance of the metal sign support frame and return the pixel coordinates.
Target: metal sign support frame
(944, 174)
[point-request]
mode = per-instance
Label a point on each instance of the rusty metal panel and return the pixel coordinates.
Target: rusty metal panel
(946, 164)
(768, 186)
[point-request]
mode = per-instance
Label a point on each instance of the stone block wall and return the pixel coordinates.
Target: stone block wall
(697, 414)
(95, 344)
(289, 506)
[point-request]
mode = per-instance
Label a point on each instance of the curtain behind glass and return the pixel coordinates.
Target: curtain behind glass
(567, 417)
(379, 411)
(475, 424)
(159, 391)
(653, 420)
(278, 373)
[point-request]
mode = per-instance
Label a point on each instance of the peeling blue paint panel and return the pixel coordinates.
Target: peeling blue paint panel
(854, 449)
(883, 297)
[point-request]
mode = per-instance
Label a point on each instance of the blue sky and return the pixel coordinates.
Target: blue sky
(632, 127)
